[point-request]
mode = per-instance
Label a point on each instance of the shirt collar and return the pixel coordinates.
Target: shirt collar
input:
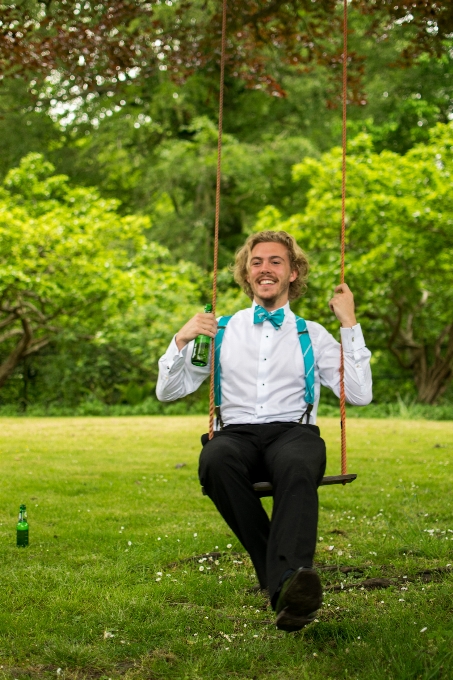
(286, 308)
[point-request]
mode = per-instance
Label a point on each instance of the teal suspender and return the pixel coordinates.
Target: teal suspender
(309, 363)
(307, 355)
(218, 344)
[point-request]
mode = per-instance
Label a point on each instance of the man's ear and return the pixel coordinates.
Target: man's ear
(293, 276)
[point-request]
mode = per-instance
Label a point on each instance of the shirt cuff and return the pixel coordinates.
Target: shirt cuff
(173, 355)
(352, 338)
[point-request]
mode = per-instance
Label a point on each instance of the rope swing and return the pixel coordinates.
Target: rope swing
(344, 465)
(217, 213)
(265, 488)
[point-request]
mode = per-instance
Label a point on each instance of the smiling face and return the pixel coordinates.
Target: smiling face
(269, 274)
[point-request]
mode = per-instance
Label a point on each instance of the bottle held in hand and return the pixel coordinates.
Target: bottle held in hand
(201, 345)
(22, 528)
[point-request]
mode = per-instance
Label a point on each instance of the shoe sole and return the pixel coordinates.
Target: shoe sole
(290, 623)
(304, 594)
(302, 599)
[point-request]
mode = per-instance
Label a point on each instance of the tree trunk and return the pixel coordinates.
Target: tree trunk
(432, 388)
(432, 380)
(10, 363)
(431, 365)
(24, 348)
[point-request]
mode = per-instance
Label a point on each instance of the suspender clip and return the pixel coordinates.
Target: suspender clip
(307, 414)
(218, 419)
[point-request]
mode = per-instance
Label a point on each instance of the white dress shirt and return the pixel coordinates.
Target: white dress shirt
(262, 369)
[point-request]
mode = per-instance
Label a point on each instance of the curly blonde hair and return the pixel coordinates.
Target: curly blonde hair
(298, 261)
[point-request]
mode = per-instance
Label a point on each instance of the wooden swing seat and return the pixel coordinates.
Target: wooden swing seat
(264, 489)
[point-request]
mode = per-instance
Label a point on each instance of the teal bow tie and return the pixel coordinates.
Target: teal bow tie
(276, 317)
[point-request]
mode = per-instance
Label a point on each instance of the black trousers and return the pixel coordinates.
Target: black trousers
(290, 455)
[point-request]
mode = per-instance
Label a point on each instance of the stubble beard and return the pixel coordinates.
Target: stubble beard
(281, 295)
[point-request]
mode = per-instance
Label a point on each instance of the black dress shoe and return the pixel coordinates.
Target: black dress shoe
(299, 600)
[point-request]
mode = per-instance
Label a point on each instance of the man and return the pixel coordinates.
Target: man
(267, 423)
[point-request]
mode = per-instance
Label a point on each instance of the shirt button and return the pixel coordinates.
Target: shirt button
(265, 359)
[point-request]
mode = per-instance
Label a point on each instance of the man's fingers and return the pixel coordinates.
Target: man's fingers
(200, 324)
(342, 305)
(342, 288)
(203, 324)
(206, 324)
(207, 331)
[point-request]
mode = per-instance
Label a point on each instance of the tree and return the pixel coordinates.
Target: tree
(180, 189)
(73, 270)
(399, 248)
(22, 128)
(100, 45)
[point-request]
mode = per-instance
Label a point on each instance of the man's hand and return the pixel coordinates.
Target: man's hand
(201, 323)
(342, 305)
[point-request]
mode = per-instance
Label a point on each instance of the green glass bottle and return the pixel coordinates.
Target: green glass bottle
(201, 345)
(22, 528)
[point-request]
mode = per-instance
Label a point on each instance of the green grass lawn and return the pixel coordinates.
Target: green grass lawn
(105, 589)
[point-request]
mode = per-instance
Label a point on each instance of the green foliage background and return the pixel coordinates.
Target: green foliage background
(118, 193)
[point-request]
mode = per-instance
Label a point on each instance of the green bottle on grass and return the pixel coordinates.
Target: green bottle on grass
(22, 528)
(201, 345)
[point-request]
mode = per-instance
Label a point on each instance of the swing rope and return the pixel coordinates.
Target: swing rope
(343, 222)
(217, 214)
(343, 229)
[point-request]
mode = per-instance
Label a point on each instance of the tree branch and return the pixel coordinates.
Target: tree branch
(36, 346)
(448, 330)
(9, 319)
(35, 310)
(397, 354)
(11, 334)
